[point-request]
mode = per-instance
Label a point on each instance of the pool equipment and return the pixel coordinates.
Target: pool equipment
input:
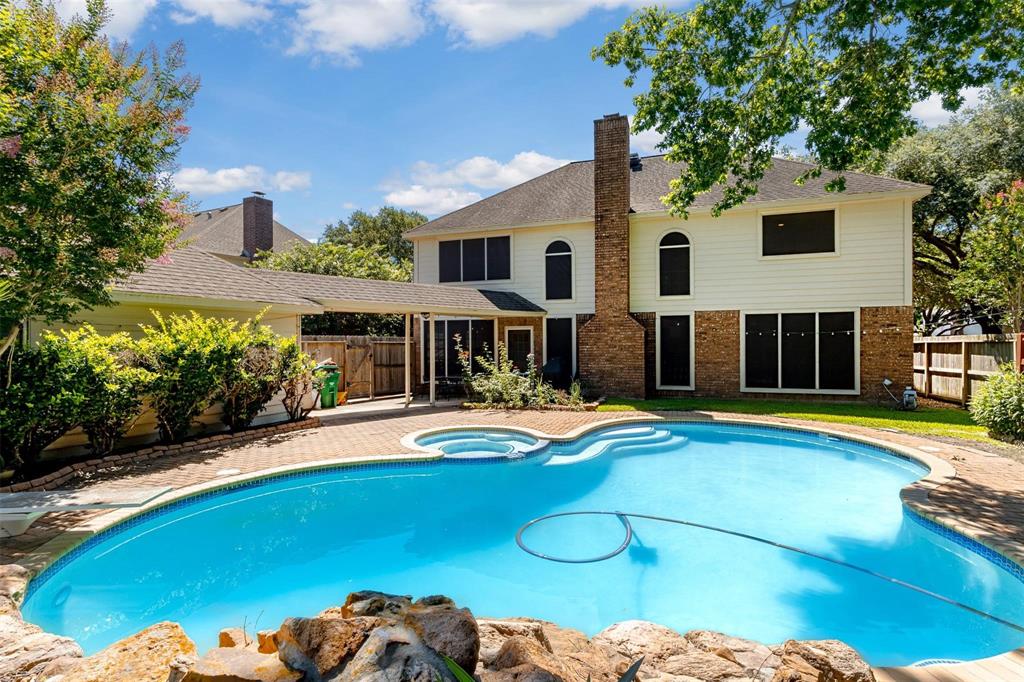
(907, 402)
(629, 535)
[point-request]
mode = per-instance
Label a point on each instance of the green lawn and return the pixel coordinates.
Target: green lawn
(930, 421)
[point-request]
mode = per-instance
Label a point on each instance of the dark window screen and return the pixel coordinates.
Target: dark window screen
(439, 336)
(558, 277)
(472, 260)
(499, 264)
(449, 257)
(674, 271)
(558, 336)
(836, 344)
(674, 338)
(519, 347)
(762, 351)
(482, 341)
(798, 350)
(792, 233)
(424, 350)
(460, 328)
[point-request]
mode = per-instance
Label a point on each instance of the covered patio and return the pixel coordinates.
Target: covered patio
(409, 299)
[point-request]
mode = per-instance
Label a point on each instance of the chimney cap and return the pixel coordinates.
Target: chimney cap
(259, 193)
(615, 115)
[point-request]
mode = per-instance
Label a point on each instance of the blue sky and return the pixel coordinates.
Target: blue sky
(333, 105)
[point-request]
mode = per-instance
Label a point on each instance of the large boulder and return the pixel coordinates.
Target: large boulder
(25, 649)
(369, 603)
(394, 654)
(703, 666)
(240, 664)
(525, 656)
(825, 660)
(633, 639)
(493, 634)
(13, 581)
(321, 647)
(580, 658)
(758, 660)
(147, 656)
(446, 629)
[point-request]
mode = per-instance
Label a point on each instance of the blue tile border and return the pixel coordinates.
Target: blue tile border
(1016, 570)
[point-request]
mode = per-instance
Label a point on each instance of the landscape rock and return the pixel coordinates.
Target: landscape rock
(13, 581)
(320, 647)
(703, 666)
(266, 641)
(582, 657)
(369, 603)
(394, 654)
(520, 653)
(759, 661)
(493, 634)
(232, 637)
(25, 649)
(632, 639)
(240, 664)
(825, 660)
(147, 656)
(446, 629)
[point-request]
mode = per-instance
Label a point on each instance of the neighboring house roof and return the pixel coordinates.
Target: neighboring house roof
(376, 296)
(219, 230)
(566, 194)
(193, 273)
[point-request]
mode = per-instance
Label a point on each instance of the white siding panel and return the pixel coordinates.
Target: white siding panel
(730, 274)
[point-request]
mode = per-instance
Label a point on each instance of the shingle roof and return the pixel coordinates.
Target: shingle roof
(195, 274)
(219, 230)
(358, 295)
(567, 194)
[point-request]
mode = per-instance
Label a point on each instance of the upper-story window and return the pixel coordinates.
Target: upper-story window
(474, 260)
(674, 265)
(558, 271)
(788, 234)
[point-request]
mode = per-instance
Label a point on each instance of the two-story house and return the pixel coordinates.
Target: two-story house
(797, 291)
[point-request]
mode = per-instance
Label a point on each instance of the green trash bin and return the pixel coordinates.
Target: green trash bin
(329, 390)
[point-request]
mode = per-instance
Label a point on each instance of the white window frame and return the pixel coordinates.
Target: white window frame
(817, 365)
(545, 338)
(461, 280)
(657, 265)
(521, 328)
(657, 352)
(572, 270)
(836, 227)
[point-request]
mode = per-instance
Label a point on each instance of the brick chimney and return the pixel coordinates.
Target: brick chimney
(257, 225)
(611, 344)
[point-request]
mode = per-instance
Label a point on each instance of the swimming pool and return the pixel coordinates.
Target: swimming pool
(296, 544)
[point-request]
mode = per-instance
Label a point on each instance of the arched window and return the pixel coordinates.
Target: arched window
(674, 265)
(558, 271)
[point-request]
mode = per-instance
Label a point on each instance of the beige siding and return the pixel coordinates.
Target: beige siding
(729, 272)
(528, 247)
(127, 318)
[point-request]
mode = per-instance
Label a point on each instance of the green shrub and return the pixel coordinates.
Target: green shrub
(500, 384)
(253, 371)
(999, 404)
(298, 380)
(42, 401)
(104, 371)
(188, 355)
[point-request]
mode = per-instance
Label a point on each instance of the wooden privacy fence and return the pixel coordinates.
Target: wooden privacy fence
(953, 367)
(370, 365)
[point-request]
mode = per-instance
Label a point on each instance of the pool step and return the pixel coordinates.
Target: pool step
(638, 437)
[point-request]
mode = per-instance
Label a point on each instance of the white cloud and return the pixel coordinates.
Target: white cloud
(204, 182)
(483, 23)
(229, 13)
(930, 111)
(339, 28)
(125, 15)
(646, 142)
(348, 205)
(431, 200)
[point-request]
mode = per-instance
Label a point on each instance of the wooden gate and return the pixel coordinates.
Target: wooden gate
(370, 365)
(359, 371)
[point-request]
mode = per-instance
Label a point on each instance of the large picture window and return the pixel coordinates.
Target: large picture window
(787, 234)
(674, 352)
(476, 336)
(558, 271)
(474, 260)
(800, 352)
(674, 265)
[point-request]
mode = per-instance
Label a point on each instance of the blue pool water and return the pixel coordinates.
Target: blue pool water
(296, 545)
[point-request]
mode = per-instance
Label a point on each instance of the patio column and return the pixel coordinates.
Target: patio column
(408, 359)
(433, 363)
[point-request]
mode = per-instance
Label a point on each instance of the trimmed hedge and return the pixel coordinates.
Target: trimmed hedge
(999, 404)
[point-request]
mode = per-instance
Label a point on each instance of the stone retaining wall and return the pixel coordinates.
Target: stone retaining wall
(72, 471)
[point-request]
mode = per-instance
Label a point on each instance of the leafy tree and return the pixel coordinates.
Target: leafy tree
(993, 273)
(976, 155)
(729, 78)
(343, 260)
(383, 230)
(87, 133)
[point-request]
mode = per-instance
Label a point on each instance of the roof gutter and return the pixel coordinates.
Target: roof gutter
(143, 297)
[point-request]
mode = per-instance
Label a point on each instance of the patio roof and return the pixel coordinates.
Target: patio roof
(350, 295)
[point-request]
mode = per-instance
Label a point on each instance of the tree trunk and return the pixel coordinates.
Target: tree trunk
(10, 337)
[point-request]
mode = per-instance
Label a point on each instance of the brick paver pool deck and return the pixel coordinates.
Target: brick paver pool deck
(985, 500)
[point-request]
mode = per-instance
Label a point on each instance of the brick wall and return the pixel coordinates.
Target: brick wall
(717, 356)
(611, 344)
(537, 323)
(886, 350)
(257, 225)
